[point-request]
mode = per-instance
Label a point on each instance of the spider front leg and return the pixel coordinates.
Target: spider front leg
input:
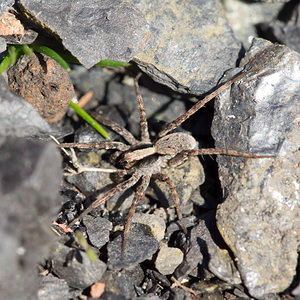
(174, 124)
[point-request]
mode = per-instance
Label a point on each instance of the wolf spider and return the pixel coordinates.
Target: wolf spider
(141, 160)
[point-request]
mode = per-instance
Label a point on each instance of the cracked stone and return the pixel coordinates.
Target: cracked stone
(91, 30)
(259, 218)
(140, 246)
(98, 230)
(76, 267)
(191, 44)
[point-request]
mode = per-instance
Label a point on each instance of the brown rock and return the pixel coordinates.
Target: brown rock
(10, 25)
(43, 83)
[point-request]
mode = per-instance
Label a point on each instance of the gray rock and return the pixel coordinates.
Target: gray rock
(188, 222)
(5, 5)
(197, 199)
(159, 103)
(168, 259)
(76, 267)
(205, 249)
(122, 283)
(185, 177)
(17, 117)
(141, 245)
(98, 230)
(243, 17)
(53, 288)
(28, 37)
(92, 30)
(94, 80)
(29, 181)
(155, 223)
(287, 31)
(258, 219)
(2, 45)
(191, 44)
(296, 290)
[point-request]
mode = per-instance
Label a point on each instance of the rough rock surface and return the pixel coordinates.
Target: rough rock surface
(243, 17)
(29, 181)
(92, 30)
(2, 45)
(76, 267)
(141, 245)
(53, 288)
(98, 230)
(5, 5)
(207, 249)
(186, 178)
(17, 117)
(259, 219)
(122, 283)
(155, 223)
(42, 82)
(191, 44)
(286, 28)
(168, 259)
(10, 25)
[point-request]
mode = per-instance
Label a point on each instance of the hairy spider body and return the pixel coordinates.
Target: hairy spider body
(142, 160)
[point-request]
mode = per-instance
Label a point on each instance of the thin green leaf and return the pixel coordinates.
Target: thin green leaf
(84, 115)
(13, 55)
(26, 49)
(84, 244)
(91, 254)
(112, 63)
(54, 55)
(5, 63)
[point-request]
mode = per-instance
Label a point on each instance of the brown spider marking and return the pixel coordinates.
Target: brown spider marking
(144, 159)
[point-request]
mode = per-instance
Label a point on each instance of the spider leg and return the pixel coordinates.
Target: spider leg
(100, 145)
(139, 194)
(143, 118)
(80, 168)
(198, 105)
(183, 156)
(168, 181)
(118, 188)
(123, 132)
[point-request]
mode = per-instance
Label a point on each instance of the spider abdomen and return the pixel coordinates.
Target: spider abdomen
(175, 143)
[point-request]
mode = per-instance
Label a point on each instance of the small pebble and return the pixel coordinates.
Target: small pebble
(76, 267)
(98, 230)
(139, 247)
(168, 259)
(155, 222)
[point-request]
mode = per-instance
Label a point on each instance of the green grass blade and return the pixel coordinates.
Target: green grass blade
(5, 63)
(112, 63)
(13, 54)
(54, 55)
(85, 116)
(26, 49)
(84, 244)
(103, 63)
